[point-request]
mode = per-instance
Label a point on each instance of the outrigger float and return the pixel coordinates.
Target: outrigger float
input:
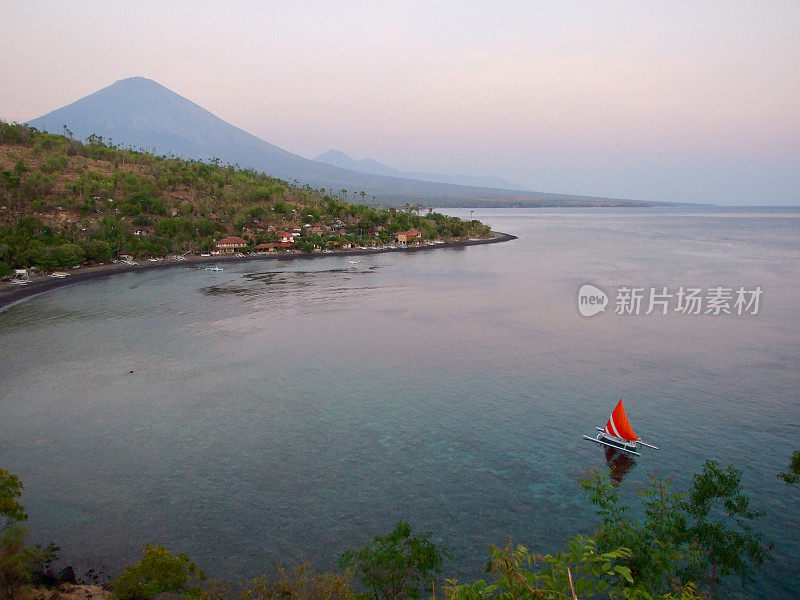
(618, 433)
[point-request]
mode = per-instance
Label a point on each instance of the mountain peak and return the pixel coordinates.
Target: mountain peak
(137, 82)
(142, 113)
(333, 154)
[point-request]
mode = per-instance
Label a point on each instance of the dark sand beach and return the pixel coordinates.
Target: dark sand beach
(12, 293)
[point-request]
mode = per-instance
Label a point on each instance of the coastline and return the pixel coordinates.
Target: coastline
(11, 294)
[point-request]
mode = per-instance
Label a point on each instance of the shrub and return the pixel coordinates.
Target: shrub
(581, 572)
(399, 565)
(19, 562)
(702, 536)
(55, 162)
(792, 474)
(299, 584)
(97, 250)
(11, 489)
(159, 571)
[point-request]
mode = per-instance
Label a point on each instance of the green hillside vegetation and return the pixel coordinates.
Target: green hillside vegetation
(65, 203)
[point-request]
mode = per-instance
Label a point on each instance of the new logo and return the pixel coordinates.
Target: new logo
(591, 300)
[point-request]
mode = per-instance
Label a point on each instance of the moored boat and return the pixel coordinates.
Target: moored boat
(21, 277)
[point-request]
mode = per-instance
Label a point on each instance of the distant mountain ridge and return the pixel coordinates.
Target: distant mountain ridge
(338, 158)
(141, 113)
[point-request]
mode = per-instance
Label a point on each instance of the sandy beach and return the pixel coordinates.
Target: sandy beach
(12, 293)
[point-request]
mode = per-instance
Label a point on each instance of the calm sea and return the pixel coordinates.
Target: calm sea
(283, 410)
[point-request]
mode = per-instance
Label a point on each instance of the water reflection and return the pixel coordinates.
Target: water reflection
(287, 282)
(619, 464)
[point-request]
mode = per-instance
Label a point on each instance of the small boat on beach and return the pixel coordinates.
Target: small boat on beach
(59, 274)
(21, 277)
(618, 433)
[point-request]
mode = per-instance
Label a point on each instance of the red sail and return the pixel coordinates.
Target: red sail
(619, 425)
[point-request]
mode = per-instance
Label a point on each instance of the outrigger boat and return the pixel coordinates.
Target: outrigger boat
(21, 277)
(618, 433)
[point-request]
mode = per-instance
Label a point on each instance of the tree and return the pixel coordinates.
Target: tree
(657, 543)
(11, 489)
(399, 565)
(582, 571)
(792, 475)
(300, 583)
(18, 562)
(719, 527)
(705, 534)
(159, 571)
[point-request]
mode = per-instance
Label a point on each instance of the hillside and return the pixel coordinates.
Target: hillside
(140, 113)
(64, 202)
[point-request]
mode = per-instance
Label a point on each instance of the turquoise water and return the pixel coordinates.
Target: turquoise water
(283, 410)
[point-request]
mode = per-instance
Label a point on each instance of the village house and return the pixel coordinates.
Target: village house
(286, 237)
(229, 245)
(412, 236)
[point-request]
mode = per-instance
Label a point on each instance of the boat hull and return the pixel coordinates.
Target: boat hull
(614, 442)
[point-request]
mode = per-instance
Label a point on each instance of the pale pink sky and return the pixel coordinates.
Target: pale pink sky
(684, 101)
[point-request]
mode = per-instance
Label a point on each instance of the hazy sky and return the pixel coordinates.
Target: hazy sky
(686, 101)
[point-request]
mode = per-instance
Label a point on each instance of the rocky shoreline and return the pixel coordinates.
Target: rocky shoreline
(11, 293)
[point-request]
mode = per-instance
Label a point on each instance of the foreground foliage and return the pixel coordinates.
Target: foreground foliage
(580, 572)
(792, 474)
(399, 565)
(683, 545)
(301, 583)
(702, 536)
(159, 571)
(18, 560)
(11, 489)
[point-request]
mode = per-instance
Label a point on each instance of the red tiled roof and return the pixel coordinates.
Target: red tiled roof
(232, 240)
